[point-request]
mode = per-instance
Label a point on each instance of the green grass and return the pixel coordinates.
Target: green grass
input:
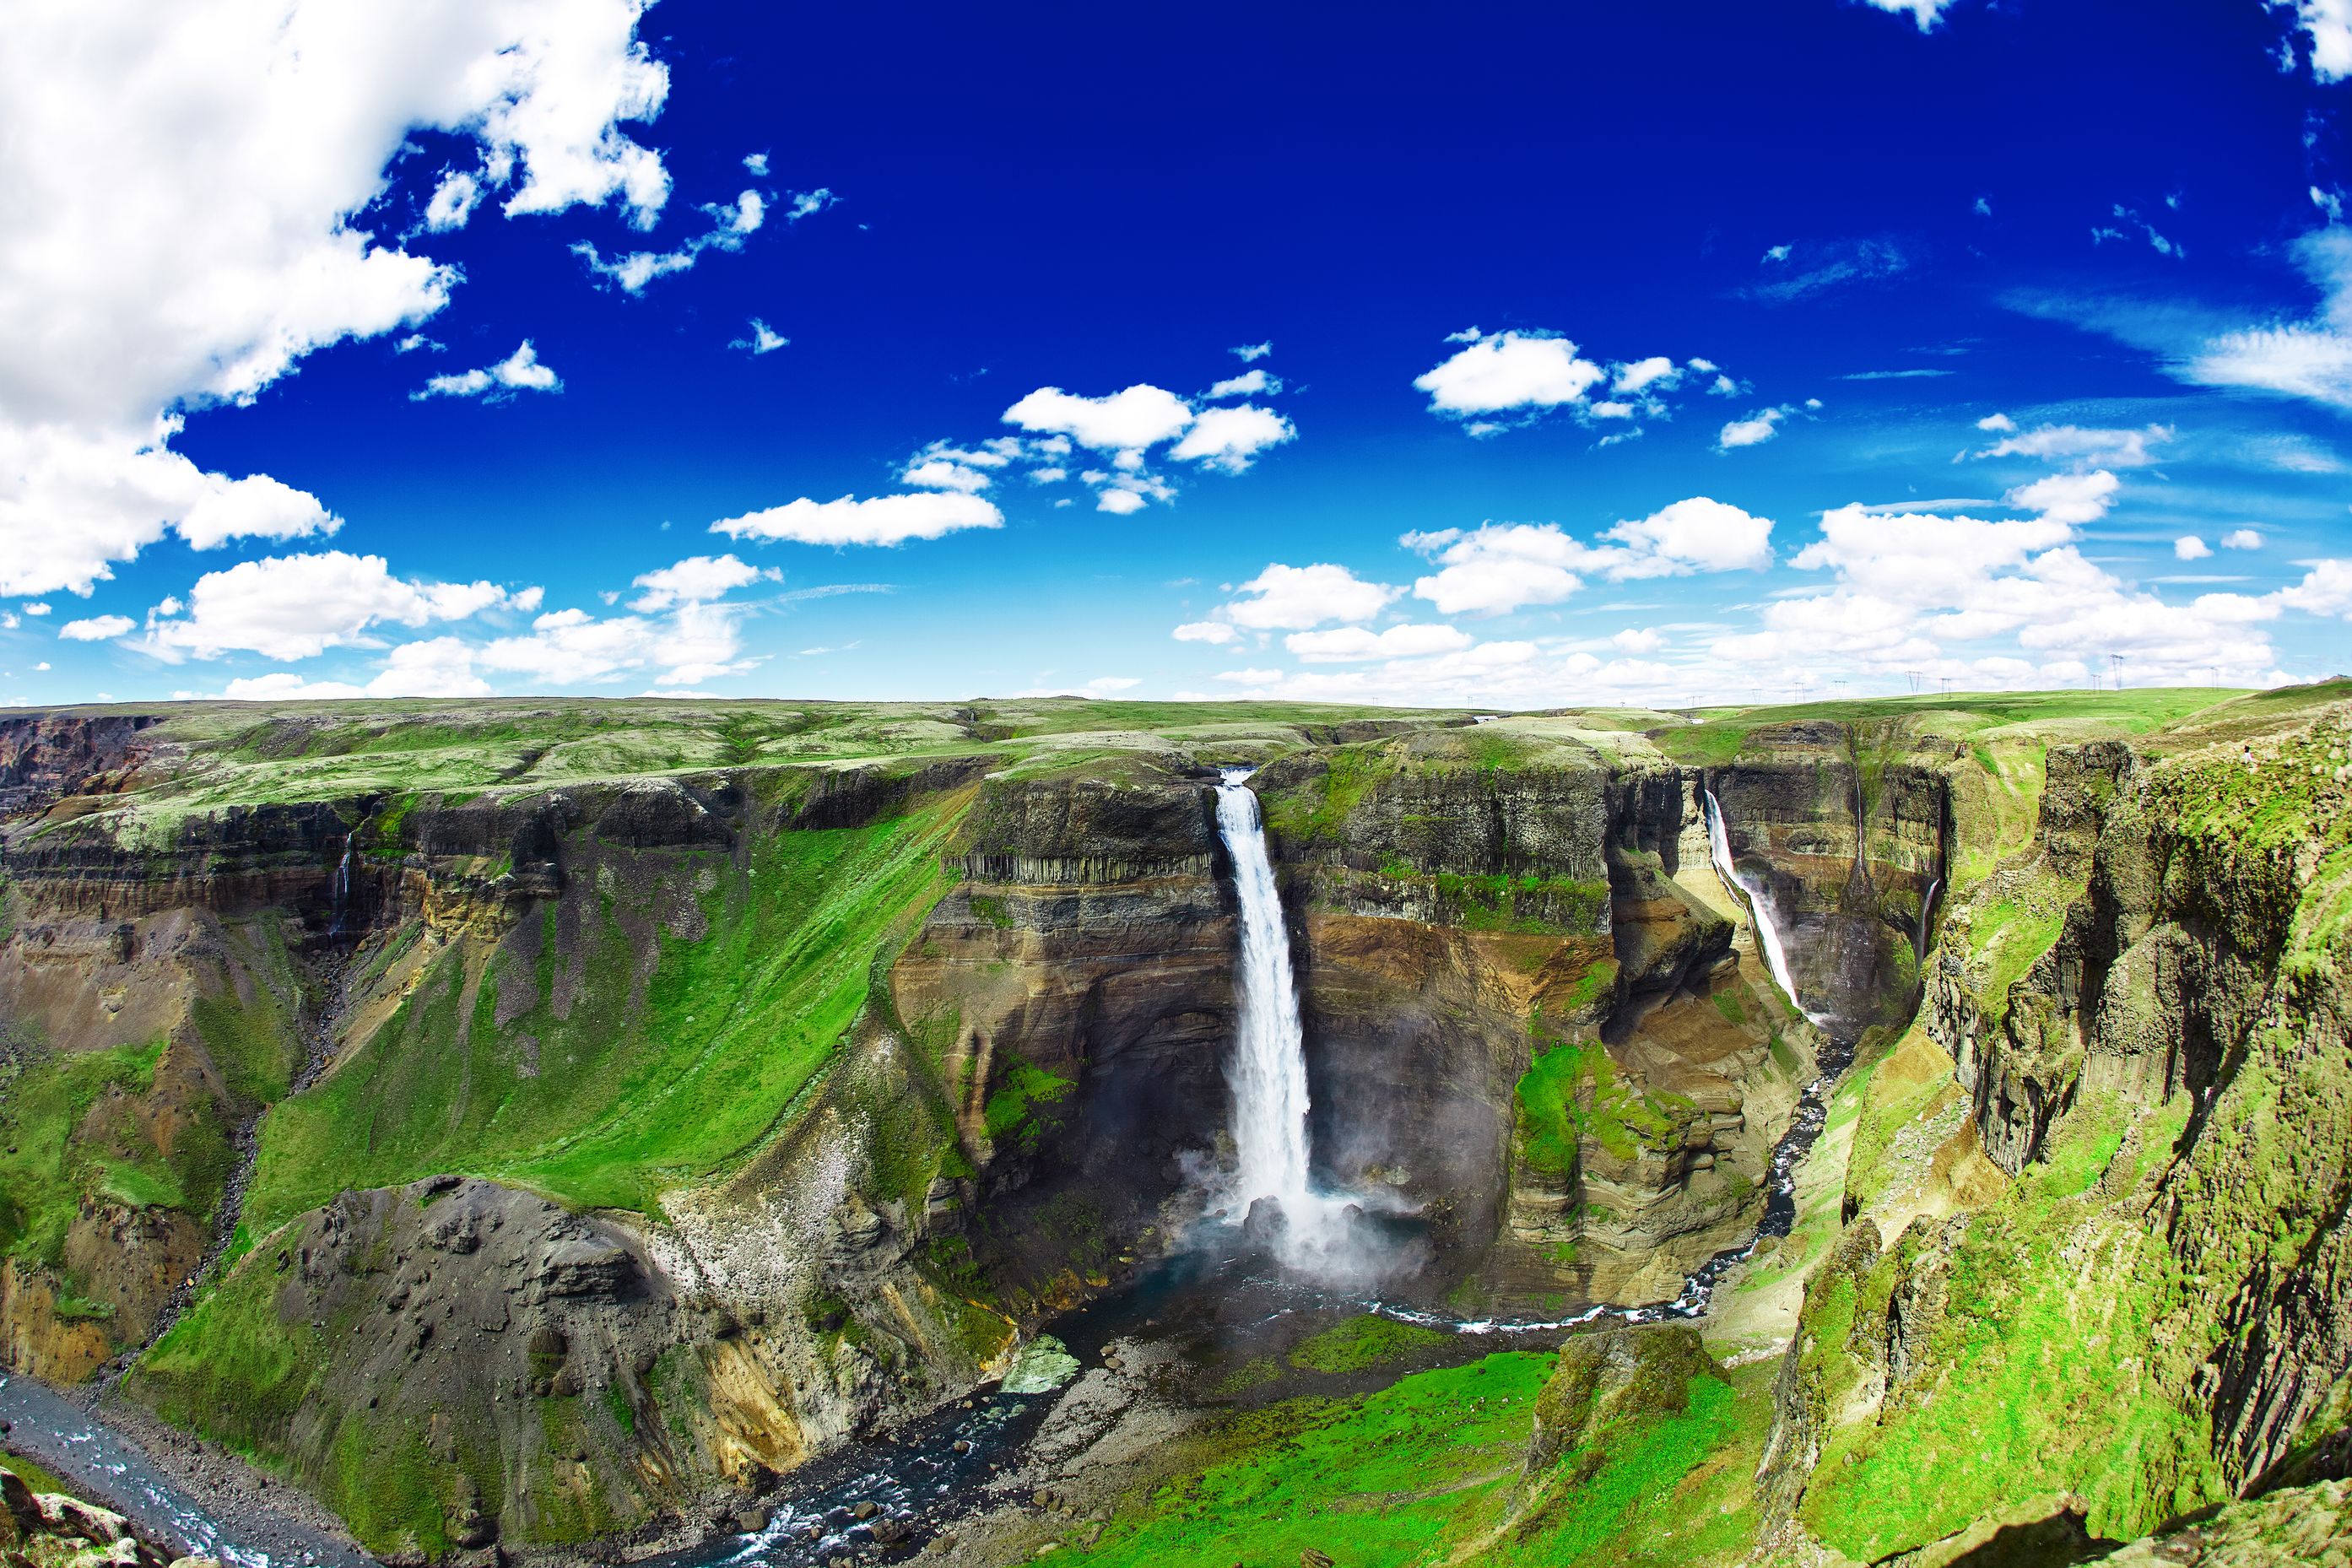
(1386, 1479)
(1668, 1490)
(1009, 1112)
(2050, 1370)
(1574, 1091)
(33, 1474)
(639, 1086)
(1361, 1344)
(69, 1129)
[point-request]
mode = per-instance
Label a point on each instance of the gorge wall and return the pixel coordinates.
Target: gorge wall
(569, 1153)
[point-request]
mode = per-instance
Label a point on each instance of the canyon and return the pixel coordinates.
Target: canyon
(533, 1129)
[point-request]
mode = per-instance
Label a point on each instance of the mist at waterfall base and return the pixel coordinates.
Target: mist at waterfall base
(1269, 1198)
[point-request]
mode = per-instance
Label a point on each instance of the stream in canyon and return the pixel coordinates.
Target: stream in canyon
(1275, 1259)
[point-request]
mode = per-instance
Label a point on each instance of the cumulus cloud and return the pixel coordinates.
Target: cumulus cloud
(1494, 372)
(695, 580)
(1924, 12)
(879, 520)
(1249, 384)
(1504, 567)
(1229, 440)
(1248, 352)
(1298, 598)
(1753, 431)
(2188, 547)
(2068, 498)
(1139, 417)
(1212, 632)
(1343, 645)
(224, 195)
(2327, 27)
(2241, 539)
(518, 372)
(296, 606)
(97, 628)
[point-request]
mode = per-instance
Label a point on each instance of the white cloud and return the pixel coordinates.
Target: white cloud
(2068, 498)
(1504, 567)
(296, 606)
(285, 686)
(880, 519)
(36, 608)
(2241, 539)
(1639, 639)
(71, 505)
(2188, 547)
(2326, 589)
(1249, 384)
(1754, 430)
(1497, 371)
(1119, 502)
(807, 203)
(1213, 632)
(2074, 443)
(1229, 440)
(1296, 598)
(191, 227)
(1643, 374)
(1983, 207)
(416, 341)
(1249, 352)
(764, 339)
(2001, 421)
(2310, 359)
(1133, 420)
(756, 164)
(695, 580)
(693, 643)
(453, 201)
(1924, 12)
(2327, 30)
(732, 225)
(944, 474)
(1699, 534)
(1777, 253)
(1350, 643)
(98, 629)
(435, 667)
(518, 372)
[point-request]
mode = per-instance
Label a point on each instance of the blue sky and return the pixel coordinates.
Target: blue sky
(1516, 356)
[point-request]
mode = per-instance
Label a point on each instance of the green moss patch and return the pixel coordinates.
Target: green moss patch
(1363, 1342)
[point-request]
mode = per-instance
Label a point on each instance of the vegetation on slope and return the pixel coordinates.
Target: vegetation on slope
(601, 1066)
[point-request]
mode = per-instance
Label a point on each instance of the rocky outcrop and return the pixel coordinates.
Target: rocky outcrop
(2170, 1080)
(1842, 827)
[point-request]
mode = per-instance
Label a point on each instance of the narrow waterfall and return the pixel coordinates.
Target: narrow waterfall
(342, 890)
(1768, 936)
(1268, 1069)
(1927, 912)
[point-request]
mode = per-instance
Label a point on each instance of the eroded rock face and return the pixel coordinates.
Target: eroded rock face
(2170, 1080)
(1844, 831)
(1076, 986)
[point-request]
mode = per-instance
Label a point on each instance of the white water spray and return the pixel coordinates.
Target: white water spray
(1268, 1071)
(1927, 912)
(1768, 937)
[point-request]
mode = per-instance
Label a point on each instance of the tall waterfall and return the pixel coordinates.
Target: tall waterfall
(1768, 936)
(1268, 1071)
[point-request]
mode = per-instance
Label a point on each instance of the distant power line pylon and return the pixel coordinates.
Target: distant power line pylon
(1915, 681)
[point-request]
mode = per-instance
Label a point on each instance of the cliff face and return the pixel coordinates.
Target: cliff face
(842, 1070)
(1844, 828)
(2146, 1026)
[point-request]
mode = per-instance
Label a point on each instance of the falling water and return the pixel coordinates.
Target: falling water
(342, 889)
(1926, 912)
(1268, 1071)
(1768, 937)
